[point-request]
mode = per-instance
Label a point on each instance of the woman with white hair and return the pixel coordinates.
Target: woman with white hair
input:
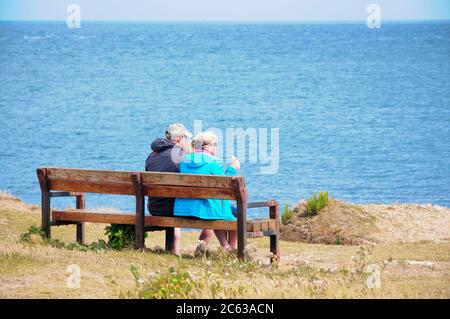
(203, 160)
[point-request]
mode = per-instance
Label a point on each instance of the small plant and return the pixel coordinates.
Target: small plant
(339, 240)
(172, 284)
(286, 215)
(135, 272)
(120, 236)
(99, 245)
(34, 233)
(316, 203)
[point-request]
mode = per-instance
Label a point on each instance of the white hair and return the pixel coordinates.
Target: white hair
(175, 130)
(203, 139)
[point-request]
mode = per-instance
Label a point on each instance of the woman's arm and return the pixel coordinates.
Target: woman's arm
(217, 169)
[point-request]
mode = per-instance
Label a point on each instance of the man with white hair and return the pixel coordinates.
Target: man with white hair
(166, 155)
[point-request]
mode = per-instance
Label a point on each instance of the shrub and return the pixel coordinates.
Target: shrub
(316, 203)
(121, 236)
(286, 215)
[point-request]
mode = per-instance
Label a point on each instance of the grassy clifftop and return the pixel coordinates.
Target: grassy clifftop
(39, 270)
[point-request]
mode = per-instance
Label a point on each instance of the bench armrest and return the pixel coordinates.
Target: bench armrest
(272, 204)
(80, 197)
(62, 194)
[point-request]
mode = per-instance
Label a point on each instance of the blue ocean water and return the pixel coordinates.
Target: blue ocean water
(363, 113)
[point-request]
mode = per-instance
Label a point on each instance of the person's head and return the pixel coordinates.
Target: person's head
(178, 134)
(205, 141)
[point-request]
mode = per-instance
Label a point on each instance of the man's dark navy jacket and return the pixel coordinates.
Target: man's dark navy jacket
(165, 157)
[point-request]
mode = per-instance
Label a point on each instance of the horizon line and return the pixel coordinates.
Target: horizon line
(228, 21)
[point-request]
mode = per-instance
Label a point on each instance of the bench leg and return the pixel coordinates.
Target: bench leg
(170, 235)
(80, 204)
(275, 248)
(80, 233)
(46, 214)
(241, 248)
(241, 232)
(140, 240)
(275, 239)
(241, 201)
(45, 201)
(140, 211)
(140, 231)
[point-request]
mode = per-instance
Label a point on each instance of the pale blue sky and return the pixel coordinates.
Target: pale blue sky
(224, 10)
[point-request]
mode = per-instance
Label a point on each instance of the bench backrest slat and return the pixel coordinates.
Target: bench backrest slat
(90, 181)
(106, 176)
(176, 179)
(154, 183)
(188, 192)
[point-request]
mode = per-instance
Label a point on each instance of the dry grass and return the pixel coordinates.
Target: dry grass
(37, 270)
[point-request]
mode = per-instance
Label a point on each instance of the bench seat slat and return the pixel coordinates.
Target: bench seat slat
(93, 217)
(78, 215)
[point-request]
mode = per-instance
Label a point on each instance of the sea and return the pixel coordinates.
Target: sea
(361, 113)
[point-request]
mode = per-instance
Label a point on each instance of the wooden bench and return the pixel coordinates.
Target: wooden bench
(55, 182)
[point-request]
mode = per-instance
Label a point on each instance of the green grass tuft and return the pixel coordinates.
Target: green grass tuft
(286, 215)
(316, 203)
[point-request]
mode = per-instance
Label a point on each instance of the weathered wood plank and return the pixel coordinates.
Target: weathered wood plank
(260, 234)
(155, 184)
(155, 178)
(256, 226)
(188, 192)
(130, 219)
(92, 187)
(181, 222)
(190, 180)
(91, 175)
(149, 190)
(93, 217)
(268, 203)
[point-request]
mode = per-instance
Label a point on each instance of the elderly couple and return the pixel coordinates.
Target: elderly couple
(175, 154)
